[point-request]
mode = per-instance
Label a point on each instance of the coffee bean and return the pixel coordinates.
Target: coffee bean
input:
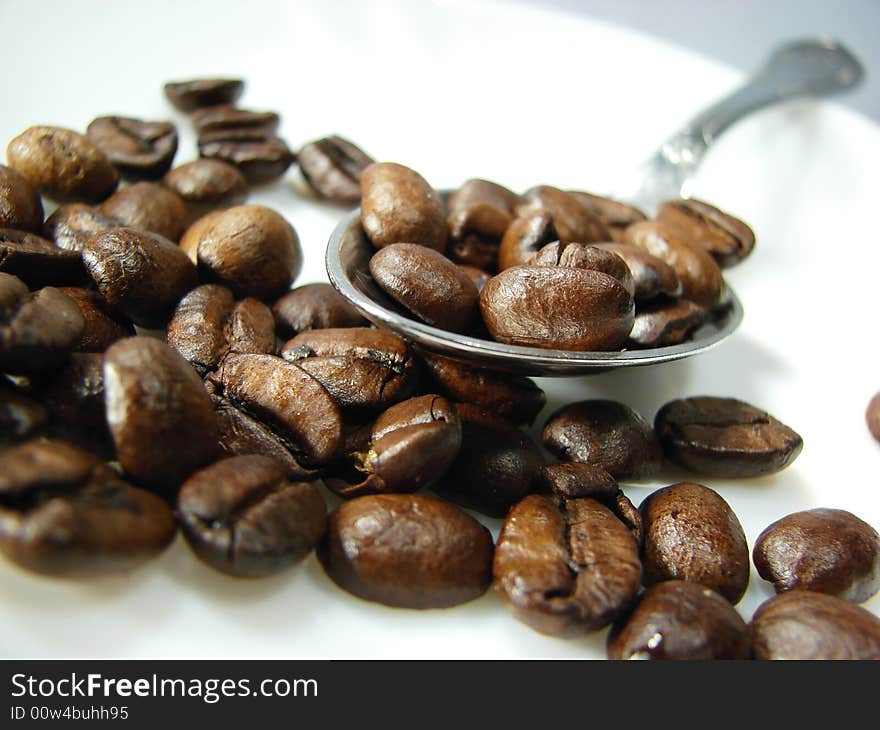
(159, 413)
(872, 416)
(652, 276)
(823, 550)
(20, 204)
(399, 206)
(244, 518)
(37, 261)
(150, 207)
(257, 153)
(141, 274)
(62, 164)
(557, 308)
(615, 215)
(407, 550)
(102, 327)
(524, 237)
(661, 323)
(71, 225)
(426, 284)
(193, 94)
(313, 307)
(482, 209)
(206, 185)
(807, 625)
(725, 437)
(333, 166)
(606, 434)
(477, 276)
(570, 218)
(579, 256)
(565, 568)
(223, 117)
(138, 149)
(727, 239)
(679, 620)
(692, 534)
(575, 480)
(471, 250)
(21, 417)
(65, 513)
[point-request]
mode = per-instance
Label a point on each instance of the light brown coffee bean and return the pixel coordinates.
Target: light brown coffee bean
(872, 416)
(580, 256)
(206, 185)
(20, 205)
(150, 207)
(481, 208)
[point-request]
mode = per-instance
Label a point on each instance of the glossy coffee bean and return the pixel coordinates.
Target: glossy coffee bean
(399, 206)
(606, 434)
(426, 284)
(572, 220)
(580, 256)
(103, 326)
(243, 517)
(481, 208)
(524, 237)
(565, 568)
(471, 250)
(65, 513)
(407, 550)
(196, 93)
(557, 308)
(38, 262)
(71, 225)
(808, 625)
(477, 276)
(313, 307)
(149, 207)
(206, 185)
(680, 620)
(63, 164)
(823, 550)
(137, 149)
(726, 238)
(661, 323)
(614, 214)
(872, 416)
(652, 276)
(21, 417)
(333, 166)
(257, 153)
(725, 437)
(575, 480)
(141, 274)
(692, 534)
(160, 415)
(20, 205)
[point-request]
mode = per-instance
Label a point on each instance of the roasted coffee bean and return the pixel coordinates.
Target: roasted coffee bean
(580, 256)
(565, 568)
(701, 279)
(524, 237)
(496, 466)
(333, 166)
(679, 620)
(426, 284)
(616, 216)
(808, 625)
(512, 397)
(259, 155)
(822, 550)
(557, 308)
(62, 164)
(477, 276)
(399, 206)
(138, 149)
(407, 550)
(37, 261)
(692, 534)
(21, 417)
(359, 366)
(606, 434)
(661, 323)
(71, 225)
(222, 117)
(725, 437)
(313, 307)
(102, 327)
(196, 93)
(243, 517)
(474, 251)
(872, 416)
(208, 324)
(206, 185)
(411, 445)
(150, 207)
(727, 239)
(159, 413)
(629, 515)
(651, 276)
(65, 513)
(141, 274)
(192, 236)
(481, 208)
(20, 205)
(572, 220)
(38, 330)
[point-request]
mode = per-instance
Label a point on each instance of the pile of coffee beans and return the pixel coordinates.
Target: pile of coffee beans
(158, 371)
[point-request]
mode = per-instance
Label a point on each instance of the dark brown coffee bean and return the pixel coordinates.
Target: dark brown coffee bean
(652, 276)
(21, 417)
(580, 256)
(629, 515)
(150, 207)
(71, 225)
(557, 308)
(37, 261)
(679, 620)
(102, 327)
(823, 550)
(572, 220)
(196, 93)
(313, 307)
(808, 625)
(606, 434)
(692, 534)
(62, 164)
(407, 550)
(333, 167)
(511, 397)
(258, 154)
(474, 251)
(160, 415)
(477, 276)
(222, 117)
(399, 206)
(138, 149)
(661, 323)
(565, 568)
(243, 517)
(20, 204)
(524, 237)
(727, 239)
(615, 215)
(38, 330)
(872, 416)
(139, 273)
(575, 480)
(426, 284)
(359, 366)
(65, 513)
(481, 208)
(206, 185)
(725, 437)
